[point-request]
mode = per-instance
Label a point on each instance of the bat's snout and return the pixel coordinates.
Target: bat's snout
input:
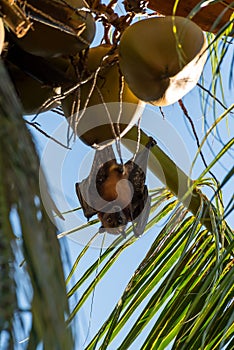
(114, 222)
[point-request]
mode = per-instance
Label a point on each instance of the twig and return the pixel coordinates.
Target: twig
(46, 135)
(212, 95)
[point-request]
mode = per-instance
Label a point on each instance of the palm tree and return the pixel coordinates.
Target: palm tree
(181, 293)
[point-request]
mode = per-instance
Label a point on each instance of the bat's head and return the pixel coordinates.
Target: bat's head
(114, 222)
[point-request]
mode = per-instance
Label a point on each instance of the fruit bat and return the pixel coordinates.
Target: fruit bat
(115, 192)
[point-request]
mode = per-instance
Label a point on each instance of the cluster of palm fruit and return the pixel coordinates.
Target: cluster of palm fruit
(46, 49)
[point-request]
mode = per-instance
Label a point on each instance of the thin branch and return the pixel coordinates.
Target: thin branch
(213, 96)
(45, 134)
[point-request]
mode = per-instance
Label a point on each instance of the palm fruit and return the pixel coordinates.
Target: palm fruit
(58, 28)
(162, 58)
(31, 92)
(105, 109)
(2, 35)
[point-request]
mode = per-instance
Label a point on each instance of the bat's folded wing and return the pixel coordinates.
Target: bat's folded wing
(86, 190)
(140, 222)
(84, 195)
(140, 212)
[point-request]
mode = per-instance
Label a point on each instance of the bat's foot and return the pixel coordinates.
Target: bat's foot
(151, 143)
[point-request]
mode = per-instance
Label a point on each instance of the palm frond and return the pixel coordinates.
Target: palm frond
(20, 190)
(8, 298)
(185, 270)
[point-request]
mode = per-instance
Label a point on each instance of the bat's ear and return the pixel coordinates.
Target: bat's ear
(101, 229)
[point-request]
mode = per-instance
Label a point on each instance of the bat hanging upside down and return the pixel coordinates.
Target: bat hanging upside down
(117, 193)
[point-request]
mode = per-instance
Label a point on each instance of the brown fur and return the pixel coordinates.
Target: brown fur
(110, 190)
